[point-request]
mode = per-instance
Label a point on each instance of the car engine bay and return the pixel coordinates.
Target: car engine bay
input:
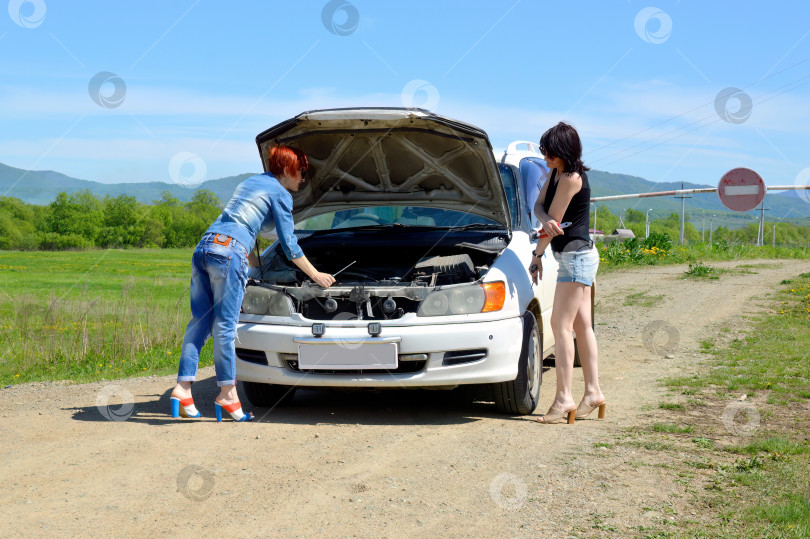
(380, 274)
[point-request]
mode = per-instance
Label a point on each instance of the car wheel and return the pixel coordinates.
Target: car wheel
(519, 397)
(268, 395)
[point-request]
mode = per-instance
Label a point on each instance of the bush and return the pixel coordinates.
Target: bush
(52, 241)
(658, 240)
(622, 252)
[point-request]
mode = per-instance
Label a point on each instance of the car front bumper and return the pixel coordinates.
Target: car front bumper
(502, 340)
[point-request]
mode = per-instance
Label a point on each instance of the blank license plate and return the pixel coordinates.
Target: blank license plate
(347, 356)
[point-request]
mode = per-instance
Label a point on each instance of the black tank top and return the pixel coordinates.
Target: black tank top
(577, 235)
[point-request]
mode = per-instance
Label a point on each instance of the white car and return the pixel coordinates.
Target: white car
(429, 235)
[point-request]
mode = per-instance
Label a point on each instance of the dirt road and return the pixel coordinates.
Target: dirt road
(372, 464)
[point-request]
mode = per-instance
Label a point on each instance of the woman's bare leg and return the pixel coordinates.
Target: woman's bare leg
(567, 301)
(588, 353)
(182, 390)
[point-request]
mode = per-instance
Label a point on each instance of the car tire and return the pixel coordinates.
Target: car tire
(519, 397)
(268, 395)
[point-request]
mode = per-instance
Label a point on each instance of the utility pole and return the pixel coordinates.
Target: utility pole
(711, 228)
(761, 231)
(647, 224)
(683, 212)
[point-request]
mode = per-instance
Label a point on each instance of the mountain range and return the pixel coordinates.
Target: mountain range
(42, 186)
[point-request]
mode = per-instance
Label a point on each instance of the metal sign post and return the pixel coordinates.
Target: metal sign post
(683, 196)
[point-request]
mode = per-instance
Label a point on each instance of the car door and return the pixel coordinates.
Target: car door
(533, 171)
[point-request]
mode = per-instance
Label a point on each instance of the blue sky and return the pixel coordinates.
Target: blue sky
(190, 83)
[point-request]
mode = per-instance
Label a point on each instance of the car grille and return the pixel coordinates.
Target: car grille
(404, 367)
(252, 356)
(458, 357)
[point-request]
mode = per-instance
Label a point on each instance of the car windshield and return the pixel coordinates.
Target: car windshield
(391, 215)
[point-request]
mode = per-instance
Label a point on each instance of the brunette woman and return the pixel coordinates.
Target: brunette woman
(565, 197)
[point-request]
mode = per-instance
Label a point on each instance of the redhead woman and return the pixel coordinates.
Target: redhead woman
(565, 197)
(219, 269)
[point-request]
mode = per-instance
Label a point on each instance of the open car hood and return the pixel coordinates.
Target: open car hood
(390, 156)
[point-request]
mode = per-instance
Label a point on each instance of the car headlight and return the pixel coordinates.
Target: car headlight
(260, 300)
(473, 299)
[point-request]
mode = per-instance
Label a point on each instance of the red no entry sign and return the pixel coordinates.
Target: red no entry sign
(741, 189)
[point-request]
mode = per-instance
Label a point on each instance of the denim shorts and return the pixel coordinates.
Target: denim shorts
(577, 266)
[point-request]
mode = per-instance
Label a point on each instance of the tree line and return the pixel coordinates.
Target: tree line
(786, 234)
(82, 221)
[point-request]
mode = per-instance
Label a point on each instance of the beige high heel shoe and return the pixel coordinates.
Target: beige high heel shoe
(583, 410)
(558, 416)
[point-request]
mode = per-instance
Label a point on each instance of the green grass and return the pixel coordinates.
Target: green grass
(672, 428)
(642, 299)
(633, 253)
(699, 269)
(670, 406)
(92, 315)
(774, 357)
(756, 483)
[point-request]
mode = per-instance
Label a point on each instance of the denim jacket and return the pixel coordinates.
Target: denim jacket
(259, 204)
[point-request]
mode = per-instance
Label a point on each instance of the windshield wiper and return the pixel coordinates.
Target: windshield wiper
(475, 226)
(354, 228)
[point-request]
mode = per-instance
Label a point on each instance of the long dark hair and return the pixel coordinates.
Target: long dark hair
(562, 141)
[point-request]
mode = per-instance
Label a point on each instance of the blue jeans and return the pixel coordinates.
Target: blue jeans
(218, 279)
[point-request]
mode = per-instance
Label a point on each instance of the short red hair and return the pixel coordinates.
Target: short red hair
(286, 161)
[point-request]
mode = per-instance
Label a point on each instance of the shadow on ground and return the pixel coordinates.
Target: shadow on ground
(307, 407)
